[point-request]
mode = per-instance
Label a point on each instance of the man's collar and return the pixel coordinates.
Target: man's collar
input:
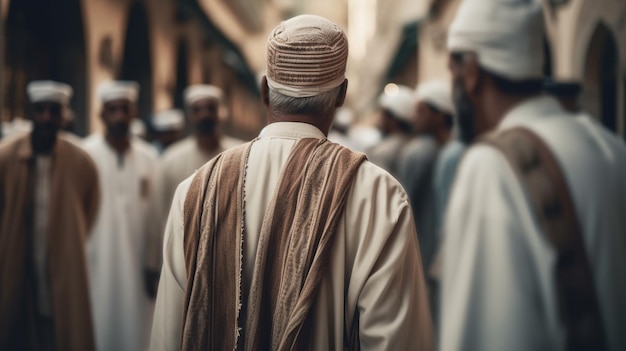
(295, 130)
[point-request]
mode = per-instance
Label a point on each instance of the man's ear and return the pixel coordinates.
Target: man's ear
(265, 92)
(341, 96)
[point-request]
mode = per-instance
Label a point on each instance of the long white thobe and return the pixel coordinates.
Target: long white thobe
(499, 288)
(116, 247)
(374, 269)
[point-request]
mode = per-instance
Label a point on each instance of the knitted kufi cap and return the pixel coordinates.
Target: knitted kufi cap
(306, 56)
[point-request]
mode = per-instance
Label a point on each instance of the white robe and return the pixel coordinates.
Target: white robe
(498, 275)
(116, 248)
(375, 266)
(182, 159)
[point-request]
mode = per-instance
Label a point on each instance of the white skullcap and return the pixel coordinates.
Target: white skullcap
(197, 92)
(506, 35)
(168, 120)
(118, 90)
(49, 91)
(438, 94)
(400, 103)
(138, 128)
(306, 56)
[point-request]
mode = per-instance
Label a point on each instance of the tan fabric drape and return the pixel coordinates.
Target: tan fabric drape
(74, 201)
(292, 252)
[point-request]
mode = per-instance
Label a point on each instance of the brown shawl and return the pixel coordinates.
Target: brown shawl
(293, 249)
(74, 197)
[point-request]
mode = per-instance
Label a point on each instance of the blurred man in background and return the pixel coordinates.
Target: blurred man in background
(433, 120)
(168, 128)
(48, 203)
(203, 106)
(534, 252)
(292, 241)
(122, 284)
(396, 126)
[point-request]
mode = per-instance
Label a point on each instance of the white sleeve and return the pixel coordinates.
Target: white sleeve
(497, 287)
(168, 314)
(387, 285)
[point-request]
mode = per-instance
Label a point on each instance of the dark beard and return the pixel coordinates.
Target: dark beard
(465, 114)
(44, 137)
(118, 130)
(206, 126)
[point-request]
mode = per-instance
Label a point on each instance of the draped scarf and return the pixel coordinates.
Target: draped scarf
(293, 250)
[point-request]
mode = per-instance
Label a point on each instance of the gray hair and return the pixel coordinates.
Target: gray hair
(317, 105)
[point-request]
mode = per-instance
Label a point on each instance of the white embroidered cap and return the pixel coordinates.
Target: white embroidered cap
(168, 120)
(400, 103)
(49, 91)
(118, 90)
(437, 93)
(197, 92)
(306, 56)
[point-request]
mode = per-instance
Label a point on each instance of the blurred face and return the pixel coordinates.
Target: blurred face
(204, 115)
(117, 116)
(425, 118)
(462, 101)
(47, 120)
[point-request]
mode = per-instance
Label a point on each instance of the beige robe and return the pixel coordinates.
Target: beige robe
(375, 267)
(73, 203)
(498, 285)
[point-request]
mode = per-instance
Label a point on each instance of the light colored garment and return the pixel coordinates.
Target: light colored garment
(445, 170)
(116, 249)
(375, 267)
(182, 159)
(178, 162)
(498, 275)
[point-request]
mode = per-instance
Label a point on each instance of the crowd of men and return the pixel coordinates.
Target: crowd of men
(490, 216)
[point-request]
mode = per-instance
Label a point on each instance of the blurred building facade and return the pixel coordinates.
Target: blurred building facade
(585, 42)
(163, 44)
(167, 44)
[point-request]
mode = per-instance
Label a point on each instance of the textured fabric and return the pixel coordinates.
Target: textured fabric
(507, 36)
(498, 289)
(127, 221)
(178, 162)
(293, 250)
(543, 180)
(74, 200)
(374, 282)
(306, 56)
